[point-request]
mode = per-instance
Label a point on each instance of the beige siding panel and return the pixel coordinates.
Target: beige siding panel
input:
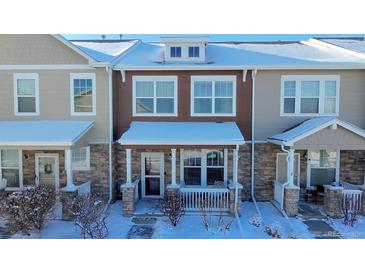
(36, 49)
(55, 101)
(268, 120)
(328, 138)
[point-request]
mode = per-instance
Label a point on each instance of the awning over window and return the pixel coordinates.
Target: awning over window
(182, 133)
(42, 133)
(322, 132)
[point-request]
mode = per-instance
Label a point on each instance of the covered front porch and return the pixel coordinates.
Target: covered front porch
(320, 157)
(40, 152)
(199, 161)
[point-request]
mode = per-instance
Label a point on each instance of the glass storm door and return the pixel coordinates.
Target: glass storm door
(152, 174)
(47, 172)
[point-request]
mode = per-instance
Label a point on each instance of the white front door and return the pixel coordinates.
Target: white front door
(47, 169)
(152, 169)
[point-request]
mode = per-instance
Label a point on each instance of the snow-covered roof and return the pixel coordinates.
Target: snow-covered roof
(43, 132)
(104, 51)
(356, 43)
(243, 55)
(182, 133)
(311, 126)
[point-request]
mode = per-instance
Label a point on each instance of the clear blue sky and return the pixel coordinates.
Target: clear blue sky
(212, 37)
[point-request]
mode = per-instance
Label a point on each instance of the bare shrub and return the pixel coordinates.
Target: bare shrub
(350, 210)
(256, 220)
(90, 212)
(27, 209)
(172, 207)
(273, 230)
(207, 218)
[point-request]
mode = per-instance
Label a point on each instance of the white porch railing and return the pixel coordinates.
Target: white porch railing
(211, 199)
(354, 197)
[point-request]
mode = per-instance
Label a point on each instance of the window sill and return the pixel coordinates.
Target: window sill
(155, 115)
(83, 114)
(26, 114)
(212, 115)
(308, 114)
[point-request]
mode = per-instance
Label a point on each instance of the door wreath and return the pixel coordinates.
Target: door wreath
(48, 168)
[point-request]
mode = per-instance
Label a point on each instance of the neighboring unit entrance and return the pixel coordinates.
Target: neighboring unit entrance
(47, 169)
(152, 168)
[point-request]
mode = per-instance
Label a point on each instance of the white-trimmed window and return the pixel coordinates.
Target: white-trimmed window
(213, 95)
(10, 167)
(26, 94)
(194, 52)
(154, 95)
(81, 158)
(310, 95)
(83, 97)
(204, 167)
(175, 52)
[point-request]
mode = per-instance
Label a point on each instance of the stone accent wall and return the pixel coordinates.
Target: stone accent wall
(244, 170)
(291, 199)
(332, 201)
(352, 166)
(98, 173)
(66, 198)
(265, 170)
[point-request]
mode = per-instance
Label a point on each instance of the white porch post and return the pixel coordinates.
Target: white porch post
(129, 165)
(173, 166)
(235, 166)
(290, 168)
(68, 166)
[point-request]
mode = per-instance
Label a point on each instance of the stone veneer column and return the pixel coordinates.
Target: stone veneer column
(333, 201)
(172, 189)
(232, 191)
(128, 196)
(291, 200)
(66, 197)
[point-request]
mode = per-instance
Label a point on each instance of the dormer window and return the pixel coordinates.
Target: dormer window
(194, 52)
(175, 52)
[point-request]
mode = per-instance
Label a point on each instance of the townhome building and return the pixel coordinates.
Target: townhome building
(178, 104)
(55, 111)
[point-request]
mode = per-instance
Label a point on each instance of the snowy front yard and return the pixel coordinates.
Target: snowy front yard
(191, 226)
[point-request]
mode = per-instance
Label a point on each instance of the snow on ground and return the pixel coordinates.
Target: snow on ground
(349, 232)
(190, 226)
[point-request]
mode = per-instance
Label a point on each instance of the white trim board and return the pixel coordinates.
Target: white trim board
(26, 76)
(46, 67)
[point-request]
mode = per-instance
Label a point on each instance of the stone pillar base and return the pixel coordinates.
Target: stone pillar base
(128, 192)
(66, 197)
(333, 201)
(291, 200)
(232, 193)
(172, 190)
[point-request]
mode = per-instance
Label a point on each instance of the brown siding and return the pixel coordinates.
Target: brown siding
(123, 100)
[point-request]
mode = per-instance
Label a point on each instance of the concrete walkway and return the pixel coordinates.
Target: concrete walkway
(316, 222)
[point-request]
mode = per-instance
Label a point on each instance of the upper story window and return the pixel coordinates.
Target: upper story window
(26, 94)
(194, 52)
(83, 99)
(310, 95)
(81, 158)
(154, 96)
(10, 167)
(175, 52)
(213, 95)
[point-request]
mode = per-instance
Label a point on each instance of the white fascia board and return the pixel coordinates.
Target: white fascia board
(283, 67)
(34, 144)
(46, 67)
(276, 142)
(73, 47)
(181, 143)
(316, 42)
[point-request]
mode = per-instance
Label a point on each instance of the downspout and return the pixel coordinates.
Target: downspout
(254, 72)
(110, 91)
(237, 216)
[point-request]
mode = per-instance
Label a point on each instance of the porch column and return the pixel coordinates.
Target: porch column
(129, 165)
(235, 166)
(68, 167)
(290, 169)
(173, 166)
